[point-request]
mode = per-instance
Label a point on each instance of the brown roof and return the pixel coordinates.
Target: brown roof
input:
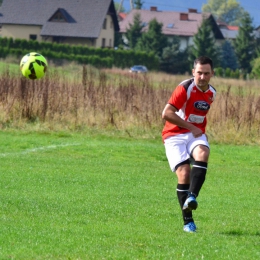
(174, 23)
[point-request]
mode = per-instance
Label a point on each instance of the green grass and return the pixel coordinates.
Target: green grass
(72, 196)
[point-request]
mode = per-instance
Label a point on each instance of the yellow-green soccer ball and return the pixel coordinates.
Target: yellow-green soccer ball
(33, 65)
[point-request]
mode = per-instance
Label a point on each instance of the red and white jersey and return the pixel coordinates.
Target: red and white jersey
(192, 104)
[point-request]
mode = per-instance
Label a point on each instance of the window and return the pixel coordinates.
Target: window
(58, 17)
(105, 24)
(170, 25)
(56, 39)
(103, 42)
(33, 37)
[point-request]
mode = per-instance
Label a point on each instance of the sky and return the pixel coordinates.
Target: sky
(251, 6)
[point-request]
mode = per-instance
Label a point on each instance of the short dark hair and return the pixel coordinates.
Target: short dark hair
(204, 60)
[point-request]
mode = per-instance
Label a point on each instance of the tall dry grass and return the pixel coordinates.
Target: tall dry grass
(124, 102)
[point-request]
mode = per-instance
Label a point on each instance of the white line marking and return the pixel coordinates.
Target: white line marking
(42, 148)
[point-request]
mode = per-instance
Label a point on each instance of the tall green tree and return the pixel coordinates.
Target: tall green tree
(134, 32)
(153, 40)
(228, 57)
(257, 47)
(228, 11)
(204, 43)
(173, 59)
(245, 43)
(138, 4)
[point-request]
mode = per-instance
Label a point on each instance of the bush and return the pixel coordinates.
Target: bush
(255, 73)
(219, 72)
(100, 57)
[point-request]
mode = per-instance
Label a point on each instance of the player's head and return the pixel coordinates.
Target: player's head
(203, 71)
(203, 60)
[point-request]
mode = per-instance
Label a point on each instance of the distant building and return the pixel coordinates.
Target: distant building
(182, 24)
(229, 32)
(257, 32)
(86, 22)
(121, 16)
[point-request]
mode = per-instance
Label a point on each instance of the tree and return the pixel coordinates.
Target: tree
(228, 57)
(119, 7)
(245, 43)
(153, 40)
(204, 43)
(173, 59)
(256, 68)
(134, 33)
(257, 47)
(228, 11)
(138, 4)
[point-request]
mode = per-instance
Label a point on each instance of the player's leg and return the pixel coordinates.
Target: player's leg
(183, 175)
(199, 149)
(178, 159)
(199, 168)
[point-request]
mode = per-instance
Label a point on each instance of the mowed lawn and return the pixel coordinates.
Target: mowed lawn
(82, 196)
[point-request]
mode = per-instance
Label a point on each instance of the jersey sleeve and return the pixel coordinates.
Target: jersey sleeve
(178, 97)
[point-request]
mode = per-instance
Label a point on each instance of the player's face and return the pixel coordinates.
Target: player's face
(202, 74)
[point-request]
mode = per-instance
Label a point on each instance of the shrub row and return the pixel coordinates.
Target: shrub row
(227, 73)
(99, 57)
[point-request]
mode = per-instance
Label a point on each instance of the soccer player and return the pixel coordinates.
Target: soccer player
(184, 135)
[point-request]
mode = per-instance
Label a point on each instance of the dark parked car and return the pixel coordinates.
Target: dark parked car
(138, 69)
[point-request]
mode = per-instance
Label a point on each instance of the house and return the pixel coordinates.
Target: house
(182, 24)
(121, 16)
(257, 32)
(229, 32)
(85, 22)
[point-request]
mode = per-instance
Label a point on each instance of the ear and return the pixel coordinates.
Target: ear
(193, 72)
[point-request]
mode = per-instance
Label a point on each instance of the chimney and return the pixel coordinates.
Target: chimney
(184, 17)
(153, 8)
(191, 10)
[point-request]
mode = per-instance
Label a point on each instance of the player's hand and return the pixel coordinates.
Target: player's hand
(196, 132)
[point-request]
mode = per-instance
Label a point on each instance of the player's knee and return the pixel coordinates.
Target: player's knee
(183, 173)
(201, 153)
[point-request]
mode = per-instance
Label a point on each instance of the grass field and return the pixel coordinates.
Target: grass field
(75, 196)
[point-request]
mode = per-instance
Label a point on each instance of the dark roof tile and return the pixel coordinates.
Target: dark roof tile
(85, 17)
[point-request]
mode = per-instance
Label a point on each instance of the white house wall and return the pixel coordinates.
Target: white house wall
(107, 34)
(24, 32)
(20, 31)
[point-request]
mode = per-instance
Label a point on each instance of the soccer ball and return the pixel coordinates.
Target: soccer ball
(33, 65)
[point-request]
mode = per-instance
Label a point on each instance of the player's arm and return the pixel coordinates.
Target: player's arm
(169, 115)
